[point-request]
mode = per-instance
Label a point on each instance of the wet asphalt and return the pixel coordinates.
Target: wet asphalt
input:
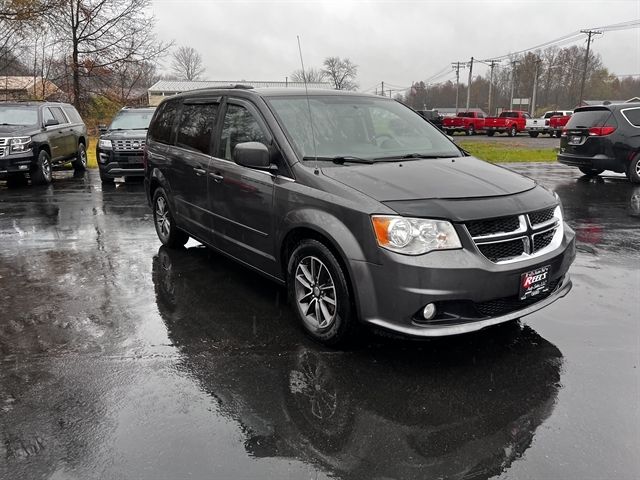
(120, 359)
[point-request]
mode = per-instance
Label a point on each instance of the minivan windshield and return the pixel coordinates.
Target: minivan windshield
(18, 115)
(350, 127)
(132, 120)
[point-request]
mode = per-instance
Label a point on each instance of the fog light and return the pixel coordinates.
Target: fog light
(429, 311)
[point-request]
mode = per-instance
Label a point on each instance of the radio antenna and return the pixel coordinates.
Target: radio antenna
(306, 91)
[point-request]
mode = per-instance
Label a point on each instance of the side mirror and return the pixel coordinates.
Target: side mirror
(102, 128)
(252, 155)
(51, 122)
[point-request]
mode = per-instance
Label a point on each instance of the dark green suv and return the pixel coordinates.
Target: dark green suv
(35, 137)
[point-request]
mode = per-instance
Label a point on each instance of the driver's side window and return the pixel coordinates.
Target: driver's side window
(239, 126)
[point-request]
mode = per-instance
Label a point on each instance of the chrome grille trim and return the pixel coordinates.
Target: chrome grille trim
(4, 141)
(128, 145)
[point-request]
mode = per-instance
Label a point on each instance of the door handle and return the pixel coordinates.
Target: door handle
(199, 171)
(216, 177)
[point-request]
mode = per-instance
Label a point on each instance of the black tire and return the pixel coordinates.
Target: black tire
(313, 272)
(471, 130)
(633, 171)
(512, 131)
(42, 174)
(558, 133)
(533, 134)
(80, 163)
(491, 133)
(591, 172)
(168, 233)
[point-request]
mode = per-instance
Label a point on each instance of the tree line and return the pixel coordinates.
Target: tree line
(559, 74)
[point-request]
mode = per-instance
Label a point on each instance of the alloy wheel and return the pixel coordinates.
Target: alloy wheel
(163, 223)
(315, 293)
(46, 168)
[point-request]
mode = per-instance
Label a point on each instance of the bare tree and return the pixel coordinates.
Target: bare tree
(187, 64)
(102, 33)
(311, 75)
(342, 73)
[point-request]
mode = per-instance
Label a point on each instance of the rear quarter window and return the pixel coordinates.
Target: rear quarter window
(633, 116)
(73, 114)
(161, 127)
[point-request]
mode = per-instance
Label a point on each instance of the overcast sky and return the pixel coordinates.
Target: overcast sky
(392, 41)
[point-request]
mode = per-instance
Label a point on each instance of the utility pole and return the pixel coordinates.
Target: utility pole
(535, 88)
(492, 64)
(469, 85)
(382, 94)
(590, 33)
(457, 66)
(513, 81)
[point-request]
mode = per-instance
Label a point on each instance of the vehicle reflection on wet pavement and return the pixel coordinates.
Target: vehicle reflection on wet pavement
(124, 359)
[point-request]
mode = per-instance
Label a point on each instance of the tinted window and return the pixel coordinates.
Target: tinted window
(593, 117)
(47, 115)
(195, 127)
(633, 116)
(239, 126)
(509, 115)
(72, 114)
(162, 127)
(58, 115)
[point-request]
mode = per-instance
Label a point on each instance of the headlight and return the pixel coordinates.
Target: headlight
(414, 236)
(105, 144)
(20, 144)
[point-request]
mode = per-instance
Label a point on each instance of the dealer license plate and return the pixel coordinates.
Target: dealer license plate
(534, 282)
(575, 140)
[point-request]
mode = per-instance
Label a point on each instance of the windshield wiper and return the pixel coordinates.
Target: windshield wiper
(412, 155)
(341, 159)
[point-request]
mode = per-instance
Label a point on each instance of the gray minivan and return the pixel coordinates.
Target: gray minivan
(366, 211)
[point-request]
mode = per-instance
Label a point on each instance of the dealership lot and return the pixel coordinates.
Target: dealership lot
(121, 359)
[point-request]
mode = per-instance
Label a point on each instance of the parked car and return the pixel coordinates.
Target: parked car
(557, 123)
(121, 145)
(467, 122)
(536, 126)
(604, 137)
(433, 116)
(35, 137)
(510, 122)
(367, 214)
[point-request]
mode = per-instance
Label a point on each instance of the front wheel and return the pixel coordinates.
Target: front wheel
(42, 174)
(471, 130)
(591, 172)
(490, 133)
(168, 233)
(319, 293)
(633, 172)
(80, 163)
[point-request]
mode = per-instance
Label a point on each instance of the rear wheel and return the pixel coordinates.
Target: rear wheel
(319, 293)
(592, 172)
(558, 133)
(633, 172)
(512, 131)
(471, 130)
(490, 133)
(168, 233)
(42, 174)
(80, 163)
(533, 134)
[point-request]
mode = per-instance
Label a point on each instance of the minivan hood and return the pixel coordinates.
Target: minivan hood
(442, 178)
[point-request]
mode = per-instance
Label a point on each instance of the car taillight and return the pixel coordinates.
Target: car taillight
(601, 131)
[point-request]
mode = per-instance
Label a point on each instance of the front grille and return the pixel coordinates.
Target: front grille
(493, 226)
(542, 240)
(128, 145)
(499, 251)
(541, 216)
(506, 305)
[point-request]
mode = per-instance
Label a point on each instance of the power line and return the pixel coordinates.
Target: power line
(589, 33)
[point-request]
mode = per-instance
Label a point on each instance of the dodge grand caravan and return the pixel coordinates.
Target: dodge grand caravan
(364, 210)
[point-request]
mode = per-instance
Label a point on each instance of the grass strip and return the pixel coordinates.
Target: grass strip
(502, 153)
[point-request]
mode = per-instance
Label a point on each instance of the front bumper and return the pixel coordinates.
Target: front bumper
(120, 164)
(17, 163)
(470, 291)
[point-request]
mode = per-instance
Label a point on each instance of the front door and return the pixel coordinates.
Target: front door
(56, 136)
(190, 167)
(241, 197)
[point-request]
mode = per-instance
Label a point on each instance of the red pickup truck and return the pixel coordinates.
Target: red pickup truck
(556, 124)
(467, 122)
(510, 122)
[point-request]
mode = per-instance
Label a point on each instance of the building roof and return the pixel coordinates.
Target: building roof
(185, 86)
(20, 82)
